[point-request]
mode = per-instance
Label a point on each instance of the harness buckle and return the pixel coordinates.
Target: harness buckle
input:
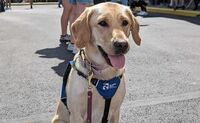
(90, 75)
(82, 54)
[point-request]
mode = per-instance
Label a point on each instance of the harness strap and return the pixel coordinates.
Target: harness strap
(106, 111)
(64, 84)
(94, 82)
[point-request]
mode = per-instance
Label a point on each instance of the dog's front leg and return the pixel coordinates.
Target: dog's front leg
(76, 118)
(62, 114)
(115, 117)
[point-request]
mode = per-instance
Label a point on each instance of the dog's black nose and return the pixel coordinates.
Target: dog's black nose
(121, 46)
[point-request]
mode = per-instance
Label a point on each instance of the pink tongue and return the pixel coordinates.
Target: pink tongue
(117, 61)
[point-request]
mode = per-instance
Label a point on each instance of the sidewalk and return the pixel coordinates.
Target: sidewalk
(163, 82)
(188, 13)
(162, 10)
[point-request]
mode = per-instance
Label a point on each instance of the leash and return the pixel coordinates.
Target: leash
(95, 82)
(89, 89)
(89, 103)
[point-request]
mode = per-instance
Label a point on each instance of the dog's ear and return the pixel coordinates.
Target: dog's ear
(134, 28)
(80, 29)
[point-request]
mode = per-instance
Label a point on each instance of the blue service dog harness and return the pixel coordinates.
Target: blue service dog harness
(106, 88)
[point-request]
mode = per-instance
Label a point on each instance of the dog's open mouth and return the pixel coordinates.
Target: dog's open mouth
(116, 61)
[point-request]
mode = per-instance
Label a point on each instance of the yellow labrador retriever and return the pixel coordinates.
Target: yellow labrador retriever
(102, 32)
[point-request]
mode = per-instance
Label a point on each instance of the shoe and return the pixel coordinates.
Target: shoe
(64, 38)
(183, 7)
(70, 47)
(195, 8)
(142, 13)
(75, 50)
(169, 6)
(59, 6)
(175, 7)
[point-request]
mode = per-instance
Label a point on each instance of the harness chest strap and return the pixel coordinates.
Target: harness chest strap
(103, 87)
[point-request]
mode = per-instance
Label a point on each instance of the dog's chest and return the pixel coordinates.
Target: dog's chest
(77, 93)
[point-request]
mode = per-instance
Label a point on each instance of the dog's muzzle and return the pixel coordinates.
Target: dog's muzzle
(121, 47)
(117, 61)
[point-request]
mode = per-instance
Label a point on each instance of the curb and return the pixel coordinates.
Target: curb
(187, 13)
(34, 3)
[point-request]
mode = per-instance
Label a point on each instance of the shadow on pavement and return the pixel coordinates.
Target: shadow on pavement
(59, 52)
(194, 20)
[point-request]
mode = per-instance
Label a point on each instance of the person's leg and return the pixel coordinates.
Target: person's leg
(67, 9)
(80, 8)
(72, 18)
(59, 3)
(171, 3)
(143, 8)
(2, 6)
(115, 1)
(124, 2)
(77, 10)
(31, 3)
(99, 1)
(196, 2)
(182, 4)
(142, 5)
(133, 5)
(9, 4)
(6, 4)
(175, 4)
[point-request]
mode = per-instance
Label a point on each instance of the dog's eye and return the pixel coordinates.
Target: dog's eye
(103, 23)
(124, 23)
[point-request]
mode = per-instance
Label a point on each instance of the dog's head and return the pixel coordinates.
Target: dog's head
(106, 28)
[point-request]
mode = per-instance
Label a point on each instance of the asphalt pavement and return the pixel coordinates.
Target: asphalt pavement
(163, 74)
